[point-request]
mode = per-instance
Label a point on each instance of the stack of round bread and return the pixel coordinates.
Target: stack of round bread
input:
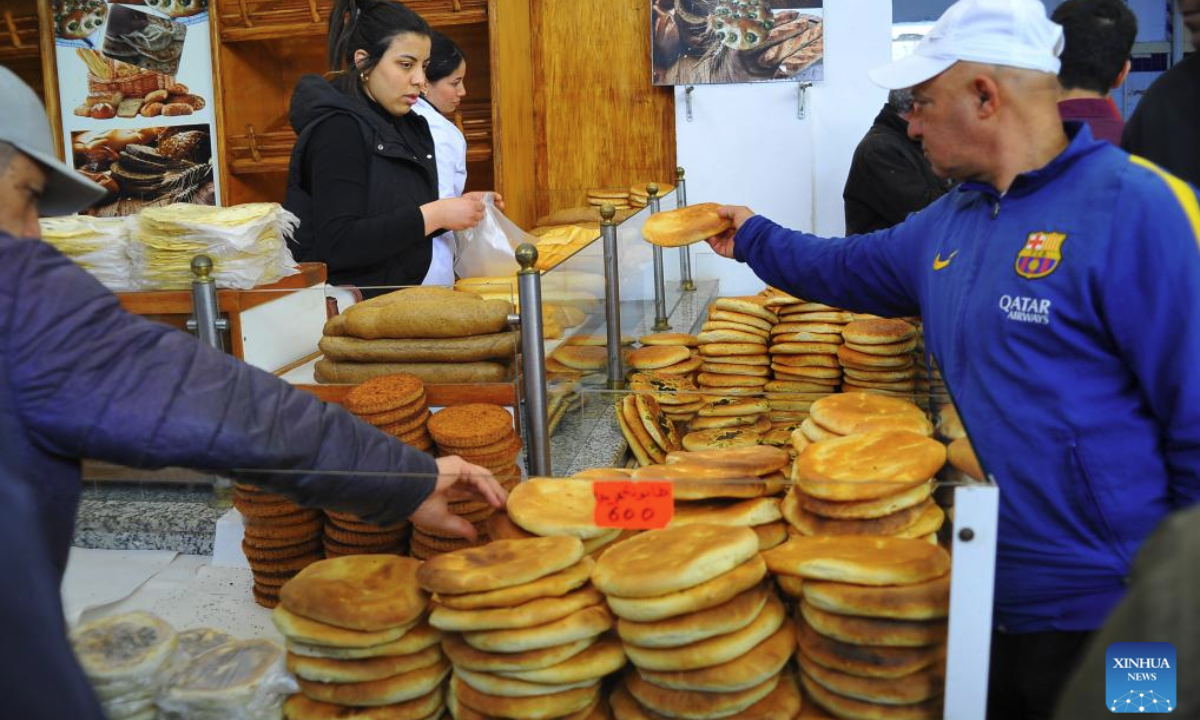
(707, 635)
(348, 534)
(871, 626)
(525, 630)
(581, 355)
(396, 405)
(732, 412)
(963, 464)
(737, 487)
(126, 658)
(676, 395)
(849, 413)
(553, 507)
(873, 483)
(878, 356)
(280, 539)
(617, 197)
(804, 347)
(647, 429)
(358, 637)
(483, 435)
(226, 680)
(733, 345)
(666, 354)
(639, 195)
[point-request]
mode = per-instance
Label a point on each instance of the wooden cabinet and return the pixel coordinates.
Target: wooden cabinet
(262, 47)
(27, 48)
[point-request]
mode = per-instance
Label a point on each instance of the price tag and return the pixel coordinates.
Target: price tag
(633, 505)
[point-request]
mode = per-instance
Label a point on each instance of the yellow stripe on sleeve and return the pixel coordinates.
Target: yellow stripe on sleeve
(1183, 192)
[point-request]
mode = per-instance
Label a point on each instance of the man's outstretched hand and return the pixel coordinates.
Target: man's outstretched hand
(458, 480)
(723, 244)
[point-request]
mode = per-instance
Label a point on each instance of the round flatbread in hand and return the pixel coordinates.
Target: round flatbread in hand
(676, 228)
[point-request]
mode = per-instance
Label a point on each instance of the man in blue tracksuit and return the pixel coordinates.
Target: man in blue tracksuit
(1060, 291)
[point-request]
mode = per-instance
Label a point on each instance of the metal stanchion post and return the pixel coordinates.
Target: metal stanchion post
(660, 286)
(612, 297)
(208, 326)
(686, 283)
(533, 355)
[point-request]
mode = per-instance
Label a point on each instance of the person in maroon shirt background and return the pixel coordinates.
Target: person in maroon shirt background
(1099, 37)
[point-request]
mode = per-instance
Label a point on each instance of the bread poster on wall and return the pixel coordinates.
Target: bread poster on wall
(135, 84)
(697, 42)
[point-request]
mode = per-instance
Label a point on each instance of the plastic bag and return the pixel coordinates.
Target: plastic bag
(241, 680)
(486, 250)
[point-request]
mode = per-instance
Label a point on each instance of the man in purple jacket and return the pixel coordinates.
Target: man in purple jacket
(1099, 36)
(82, 378)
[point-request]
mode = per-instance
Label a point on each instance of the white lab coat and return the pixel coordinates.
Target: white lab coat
(450, 151)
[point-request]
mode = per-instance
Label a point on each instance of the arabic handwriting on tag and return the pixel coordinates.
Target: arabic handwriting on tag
(633, 505)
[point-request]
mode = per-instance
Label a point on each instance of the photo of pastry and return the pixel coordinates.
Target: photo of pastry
(145, 167)
(79, 19)
(170, 8)
(734, 41)
(142, 39)
(118, 89)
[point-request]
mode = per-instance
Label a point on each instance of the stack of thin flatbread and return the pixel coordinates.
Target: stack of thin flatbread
(872, 482)
(871, 625)
(705, 630)
(280, 538)
(737, 487)
(552, 507)
(358, 637)
(666, 354)
(733, 344)
(126, 659)
(97, 245)
(437, 334)
(639, 194)
(676, 395)
(525, 630)
(804, 350)
(483, 435)
(878, 356)
(239, 679)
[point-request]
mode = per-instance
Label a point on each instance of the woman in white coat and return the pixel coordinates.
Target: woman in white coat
(444, 90)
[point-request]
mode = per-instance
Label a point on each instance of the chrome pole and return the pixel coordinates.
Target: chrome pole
(660, 286)
(612, 296)
(533, 359)
(686, 283)
(206, 321)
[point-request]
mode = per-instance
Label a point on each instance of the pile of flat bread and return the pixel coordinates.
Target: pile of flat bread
(703, 627)
(666, 354)
(553, 507)
(238, 679)
(651, 434)
(525, 630)
(127, 659)
(872, 474)
(280, 538)
(804, 344)
(871, 626)
(735, 488)
(879, 355)
(437, 334)
(358, 637)
(733, 344)
(582, 355)
(677, 395)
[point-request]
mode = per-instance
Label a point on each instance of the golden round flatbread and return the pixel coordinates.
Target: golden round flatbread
(555, 506)
(703, 596)
(729, 616)
(845, 707)
(414, 641)
(760, 663)
(693, 705)
(603, 658)
(684, 226)
(301, 629)
(916, 601)
(868, 465)
(527, 614)
(863, 560)
(586, 623)
(659, 562)
(714, 650)
(499, 564)
(865, 660)
(862, 509)
(339, 671)
(850, 413)
(359, 592)
(878, 331)
(299, 707)
(463, 655)
(550, 586)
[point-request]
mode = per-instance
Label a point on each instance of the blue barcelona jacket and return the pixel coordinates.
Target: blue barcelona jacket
(1065, 317)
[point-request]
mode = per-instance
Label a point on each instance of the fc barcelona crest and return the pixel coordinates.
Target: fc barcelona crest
(1041, 255)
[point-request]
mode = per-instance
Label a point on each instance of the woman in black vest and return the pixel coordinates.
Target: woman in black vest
(363, 179)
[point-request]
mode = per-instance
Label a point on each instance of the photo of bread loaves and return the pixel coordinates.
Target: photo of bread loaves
(692, 224)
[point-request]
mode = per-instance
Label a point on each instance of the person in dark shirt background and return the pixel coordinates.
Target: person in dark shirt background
(1099, 36)
(889, 176)
(363, 177)
(1165, 128)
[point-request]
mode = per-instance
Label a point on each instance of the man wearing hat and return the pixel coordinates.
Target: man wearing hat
(81, 378)
(1059, 286)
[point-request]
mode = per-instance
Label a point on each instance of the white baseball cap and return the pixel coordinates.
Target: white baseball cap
(27, 128)
(1013, 33)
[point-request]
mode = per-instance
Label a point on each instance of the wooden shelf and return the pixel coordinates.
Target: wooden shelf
(270, 150)
(18, 36)
(249, 20)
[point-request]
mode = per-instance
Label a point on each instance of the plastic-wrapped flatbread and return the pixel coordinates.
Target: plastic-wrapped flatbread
(242, 680)
(126, 658)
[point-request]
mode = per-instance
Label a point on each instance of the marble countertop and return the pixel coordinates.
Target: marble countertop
(143, 513)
